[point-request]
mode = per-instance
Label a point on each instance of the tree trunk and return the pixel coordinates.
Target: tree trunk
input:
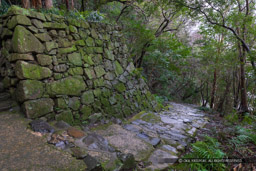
(244, 105)
(26, 4)
(72, 5)
(67, 4)
(214, 85)
(223, 99)
(48, 4)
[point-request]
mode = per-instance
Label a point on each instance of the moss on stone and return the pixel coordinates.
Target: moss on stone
(65, 116)
(31, 71)
(63, 86)
(67, 50)
(87, 97)
(120, 87)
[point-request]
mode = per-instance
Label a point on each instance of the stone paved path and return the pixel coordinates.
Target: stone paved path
(156, 140)
(20, 149)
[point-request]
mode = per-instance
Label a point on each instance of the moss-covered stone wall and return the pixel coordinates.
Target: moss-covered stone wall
(68, 69)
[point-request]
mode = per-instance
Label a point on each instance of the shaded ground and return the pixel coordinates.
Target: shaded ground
(22, 150)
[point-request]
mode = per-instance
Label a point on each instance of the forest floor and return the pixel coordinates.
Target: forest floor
(147, 141)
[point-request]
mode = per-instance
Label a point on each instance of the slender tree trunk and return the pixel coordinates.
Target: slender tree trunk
(223, 99)
(214, 86)
(67, 4)
(48, 4)
(26, 4)
(244, 104)
(72, 5)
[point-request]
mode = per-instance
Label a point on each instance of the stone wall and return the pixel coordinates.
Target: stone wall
(68, 69)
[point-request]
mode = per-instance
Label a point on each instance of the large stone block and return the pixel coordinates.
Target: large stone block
(24, 41)
(18, 19)
(29, 90)
(87, 97)
(75, 59)
(67, 86)
(26, 70)
(37, 108)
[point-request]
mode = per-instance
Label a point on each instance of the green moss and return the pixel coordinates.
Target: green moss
(65, 116)
(72, 29)
(101, 127)
(67, 50)
(118, 68)
(63, 86)
(120, 87)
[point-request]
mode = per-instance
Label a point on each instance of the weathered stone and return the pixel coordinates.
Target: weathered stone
(63, 86)
(98, 82)
(29, 90)
(65, 116)
(76, 133)
(41, 126)
(44, 37)
(36, 108)
(76, 71)
(51, 45)
(79, 153)
(37, 23)
(64, 43)
(97, 59)
(60, 68)
(44, 60)
(99, 71)
(86, 112)
(72, 29)
(128, 161)
(52, 25)
(87, 97)
(25, 57)
(61, 125)
(170, 149)
(26, 70)
(130, 68)
(80, 43)
(118, 68)
(33, 29)
(75, 59)
(90, 73)
(109, 54)
(74, 103)
(109, 76)
(92, 163)
(67, 50)
(24, 41)
(61, 103)
(120, 87)
(88, 59)
(90, 42)
(161, 159)
(18, 19)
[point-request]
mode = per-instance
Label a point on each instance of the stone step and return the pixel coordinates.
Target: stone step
(4, 96)
(6, 105)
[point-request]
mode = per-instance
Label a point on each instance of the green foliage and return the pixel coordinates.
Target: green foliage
(232, 117)
(243, 137)
(207, 149)
(4, 7)
(92, 16)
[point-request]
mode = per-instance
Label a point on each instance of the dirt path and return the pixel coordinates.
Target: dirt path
(20, 149)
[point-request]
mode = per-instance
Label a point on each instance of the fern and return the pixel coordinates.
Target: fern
(207, 149)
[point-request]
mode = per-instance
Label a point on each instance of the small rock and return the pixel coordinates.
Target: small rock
(133, 128)
(41, 126)
(97, 142)
(62, 125)
(73, 132)
(92, 164)
(143, 136)
(187, 121)
(170, 148)
(128, 161)
(78, 153)
(155, 141)
(61, 144)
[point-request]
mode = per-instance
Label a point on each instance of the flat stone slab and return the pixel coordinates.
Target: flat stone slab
(126, 141)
